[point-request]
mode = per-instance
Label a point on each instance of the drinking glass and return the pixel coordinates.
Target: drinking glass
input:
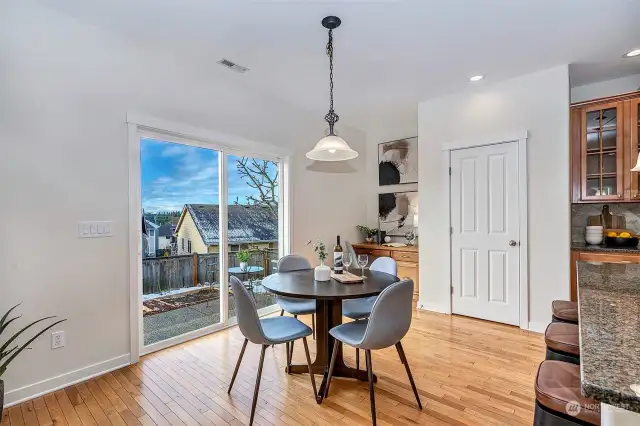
(347, 259)
(363, 259)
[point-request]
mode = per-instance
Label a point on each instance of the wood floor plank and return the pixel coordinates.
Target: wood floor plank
(44, 418)
(57, 416)
(15, 416)
(29, 414)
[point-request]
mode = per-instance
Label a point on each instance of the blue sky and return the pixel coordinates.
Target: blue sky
(175, 174)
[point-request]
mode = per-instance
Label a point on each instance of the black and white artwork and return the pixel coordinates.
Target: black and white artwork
(397, 212)
(398, 162)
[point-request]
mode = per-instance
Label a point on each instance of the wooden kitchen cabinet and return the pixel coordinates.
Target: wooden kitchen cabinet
(406, 259)
(591, 256)
(604, 147)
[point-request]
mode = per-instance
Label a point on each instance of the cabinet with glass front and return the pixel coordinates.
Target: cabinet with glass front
(604, 148)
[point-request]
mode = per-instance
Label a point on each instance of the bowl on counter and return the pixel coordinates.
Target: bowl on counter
(621, 242)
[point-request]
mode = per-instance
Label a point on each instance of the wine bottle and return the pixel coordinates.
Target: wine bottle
(337, 257)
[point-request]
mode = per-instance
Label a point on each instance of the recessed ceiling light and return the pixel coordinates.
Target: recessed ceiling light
(632, 53)
(476, 78)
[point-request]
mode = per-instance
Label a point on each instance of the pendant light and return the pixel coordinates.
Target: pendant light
(637, 167)
(332, 147)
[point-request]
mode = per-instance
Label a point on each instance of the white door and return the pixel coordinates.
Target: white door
(485, 249)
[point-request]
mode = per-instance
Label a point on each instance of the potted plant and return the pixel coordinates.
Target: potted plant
(243, 258)
(322, 272)
(9, 352)
(369, 233)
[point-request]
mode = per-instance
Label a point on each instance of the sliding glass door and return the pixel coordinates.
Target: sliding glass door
(253, 227)
(207, 214)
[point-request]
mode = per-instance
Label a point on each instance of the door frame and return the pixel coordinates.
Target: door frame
(519, 137)
(139, 126)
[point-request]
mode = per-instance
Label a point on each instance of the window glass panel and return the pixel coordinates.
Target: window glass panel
(593, 165)
(593, 141)
(253, 225)
(609, 186)
(609, 163)
(180, 287)
(609, 139)
(593, 121)
(609, 118)
(593, 186)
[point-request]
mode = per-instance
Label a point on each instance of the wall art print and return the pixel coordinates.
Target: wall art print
(398, 162)
(396, 211)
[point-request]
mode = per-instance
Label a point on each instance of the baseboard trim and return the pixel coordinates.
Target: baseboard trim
(433, 307)
(35, 390)
(538, 326)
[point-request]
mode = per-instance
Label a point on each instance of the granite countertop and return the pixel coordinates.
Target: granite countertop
(609, 312)
(604, 249)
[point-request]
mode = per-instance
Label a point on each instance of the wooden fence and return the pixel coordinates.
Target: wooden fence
(161, 274)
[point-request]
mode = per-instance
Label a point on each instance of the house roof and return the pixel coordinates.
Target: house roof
(152, 224)
(247, 224)
(165, 230)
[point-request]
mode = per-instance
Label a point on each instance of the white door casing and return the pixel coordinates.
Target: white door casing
(485, 221)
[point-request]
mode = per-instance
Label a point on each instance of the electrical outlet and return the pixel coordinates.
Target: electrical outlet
(58, 339)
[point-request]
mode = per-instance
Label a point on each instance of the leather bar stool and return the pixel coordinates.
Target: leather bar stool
(557, 392)
(564, 311)
(562, 341)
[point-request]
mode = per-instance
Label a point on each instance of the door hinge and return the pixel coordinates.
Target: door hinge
(451, 289)
(451, 230)
(449, 171)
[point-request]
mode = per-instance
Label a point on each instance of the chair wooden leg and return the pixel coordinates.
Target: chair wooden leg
(282, 312)
(288, 360)
(332, 365)
(357, 359)
(403, 358)
(313, 379)
(255, 392)
(313, 325)
(235, 372)
(290, 356)
(367, 354)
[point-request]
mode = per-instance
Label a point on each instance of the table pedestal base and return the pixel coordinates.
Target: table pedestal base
(329, 315)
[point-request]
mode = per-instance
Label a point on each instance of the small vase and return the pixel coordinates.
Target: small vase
(322, 272)
(243, 266)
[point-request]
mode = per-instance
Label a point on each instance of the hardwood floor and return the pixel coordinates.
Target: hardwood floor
(468, 372)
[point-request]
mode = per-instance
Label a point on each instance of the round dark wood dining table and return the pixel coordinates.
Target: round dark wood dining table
(329, 296)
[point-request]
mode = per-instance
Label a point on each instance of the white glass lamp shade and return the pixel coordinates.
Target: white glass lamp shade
(637, 167)
(332, 148)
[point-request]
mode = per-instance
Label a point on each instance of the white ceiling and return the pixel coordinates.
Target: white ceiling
(390, 54)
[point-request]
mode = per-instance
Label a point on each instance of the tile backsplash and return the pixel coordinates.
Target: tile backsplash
(580, 213)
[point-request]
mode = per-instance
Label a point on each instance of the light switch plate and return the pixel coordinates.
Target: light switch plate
(95, 229)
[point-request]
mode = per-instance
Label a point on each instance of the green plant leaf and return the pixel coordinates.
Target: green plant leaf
(3, 355)
(15, 336)
(3, 367)
(6, 324)
(4, 318)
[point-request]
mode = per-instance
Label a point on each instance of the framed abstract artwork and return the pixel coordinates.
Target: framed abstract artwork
(397, 212)
(398, 162)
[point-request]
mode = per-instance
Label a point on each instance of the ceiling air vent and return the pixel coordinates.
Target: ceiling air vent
(233, 66)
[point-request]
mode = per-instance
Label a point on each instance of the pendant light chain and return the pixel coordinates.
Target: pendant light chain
(331, 116)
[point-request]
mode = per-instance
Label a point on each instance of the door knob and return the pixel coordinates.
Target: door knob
(512, 243)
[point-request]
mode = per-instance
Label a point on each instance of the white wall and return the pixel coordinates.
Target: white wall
(606, 88)
(66, 88)
(538, 103)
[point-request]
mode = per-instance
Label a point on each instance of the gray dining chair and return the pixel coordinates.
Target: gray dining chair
(388, 323)
(294, 305)
(356, 309)
(265, 332)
